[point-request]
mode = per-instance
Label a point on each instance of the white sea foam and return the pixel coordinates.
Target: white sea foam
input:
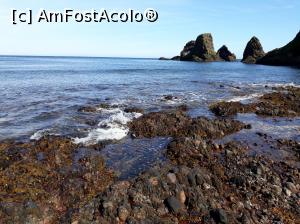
(276, 84)
(112, 128)
(247, 97)
(41, 133)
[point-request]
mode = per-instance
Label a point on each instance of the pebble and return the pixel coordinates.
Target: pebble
(153, 181)
(287, 192)
(182, 197)
(291, 187)
(174, 205)
(123, 213)
(172, 178)
(277, 189)
(216, 146)
(220, 216)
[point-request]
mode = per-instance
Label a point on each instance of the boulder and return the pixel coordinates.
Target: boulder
(225, 54)
(200, 50)
(253, 51)
(289, 55)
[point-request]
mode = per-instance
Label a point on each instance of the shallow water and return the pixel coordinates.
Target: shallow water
(41, 95)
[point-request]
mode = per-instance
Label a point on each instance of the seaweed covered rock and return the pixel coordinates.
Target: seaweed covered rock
(284, 102)
(287, 55)
(253, 51)
(177, 123)
(41, 182)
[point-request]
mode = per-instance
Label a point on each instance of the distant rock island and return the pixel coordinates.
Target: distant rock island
(202, 50)
(289, 55)
(253, 51)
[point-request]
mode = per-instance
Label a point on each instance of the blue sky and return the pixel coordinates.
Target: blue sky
(232, 22)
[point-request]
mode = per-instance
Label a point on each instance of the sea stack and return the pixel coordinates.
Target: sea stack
(289, 55)
(253, 51)
(201, 50)
(225, 54)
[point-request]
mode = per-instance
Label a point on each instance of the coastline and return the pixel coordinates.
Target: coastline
(200, 180)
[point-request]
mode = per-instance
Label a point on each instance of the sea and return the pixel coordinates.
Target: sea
(42, 96)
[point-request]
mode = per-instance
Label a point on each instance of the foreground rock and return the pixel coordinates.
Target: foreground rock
(225, 54)
(43, 182)
(201, 50)
(287, 55)
(227, 187)
(284, 102)
(253, 51)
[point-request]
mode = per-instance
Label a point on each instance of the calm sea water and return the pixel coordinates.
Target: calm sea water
(41, 95)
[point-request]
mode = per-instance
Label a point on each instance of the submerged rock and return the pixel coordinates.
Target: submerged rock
(225, 54)
(253, 51)
(287, 55)
(200, 50)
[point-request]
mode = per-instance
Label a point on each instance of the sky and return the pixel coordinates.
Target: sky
(231, 22)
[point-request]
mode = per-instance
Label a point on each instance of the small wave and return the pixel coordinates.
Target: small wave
(41, 133)
(244, 98)
(112, 128)
(275, 84)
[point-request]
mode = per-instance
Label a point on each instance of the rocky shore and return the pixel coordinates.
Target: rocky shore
(202, 180)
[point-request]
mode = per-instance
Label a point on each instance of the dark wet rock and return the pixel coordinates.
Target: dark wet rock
(87, 109)
(225, 54)
(201, 50)
(174, 205)
(253, 51)
(283, 103)
(290, 146)
(288, 55)
(95, 108)
(169, 97)
(230, 108)
(219, 215)
(134, 110)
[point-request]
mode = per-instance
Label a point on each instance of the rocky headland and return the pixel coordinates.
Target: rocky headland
(289, 55)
